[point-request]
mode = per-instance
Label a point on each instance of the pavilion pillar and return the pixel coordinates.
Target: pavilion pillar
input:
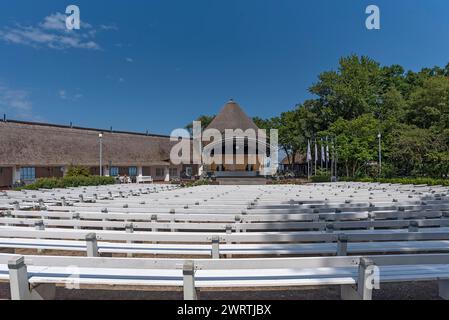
(139, 171)
(167, 174)
(15, 174)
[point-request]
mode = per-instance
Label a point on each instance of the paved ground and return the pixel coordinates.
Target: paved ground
(409, 291)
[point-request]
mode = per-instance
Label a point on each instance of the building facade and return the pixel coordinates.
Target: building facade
(242, 155)
(33, 150)
(30, 150)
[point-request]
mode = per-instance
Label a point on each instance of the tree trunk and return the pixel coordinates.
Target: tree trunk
(288, 155)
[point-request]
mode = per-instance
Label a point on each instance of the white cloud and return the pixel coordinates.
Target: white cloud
(55, 22)
(16, 103)
(130, 60)
(64, 95)
(52, 33)
(108, 27)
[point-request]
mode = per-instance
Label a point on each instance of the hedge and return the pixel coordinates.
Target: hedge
(201, 182)
(321, 178)
(68, 182)
(415, 181)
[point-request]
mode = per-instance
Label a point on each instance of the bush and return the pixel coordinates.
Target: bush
(196, 183)
(415, 181)
(321, 178)
(68, 182)
(78, 171)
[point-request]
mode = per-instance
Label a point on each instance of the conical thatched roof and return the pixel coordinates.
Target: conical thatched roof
(232, 116)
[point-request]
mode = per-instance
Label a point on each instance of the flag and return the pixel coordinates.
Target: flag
(309, 154)
(316, 152)
(327, 150)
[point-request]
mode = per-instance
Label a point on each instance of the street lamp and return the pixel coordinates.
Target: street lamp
(379, 136)
(379, 102)
(100, 136)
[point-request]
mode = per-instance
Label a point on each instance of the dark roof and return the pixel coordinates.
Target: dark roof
(37, 144)
(232, 116)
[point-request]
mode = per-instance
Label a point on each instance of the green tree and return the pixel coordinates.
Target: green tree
(429, 104)
(408, 149)
(349, 92)
(356, 142)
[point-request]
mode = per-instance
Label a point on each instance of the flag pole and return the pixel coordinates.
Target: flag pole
(332, 158)
(322, 153)
(316, 155)
(309, 156)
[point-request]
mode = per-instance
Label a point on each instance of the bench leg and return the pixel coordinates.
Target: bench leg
(368, 279)
(189, 281)
(443, 288)
(18, 279)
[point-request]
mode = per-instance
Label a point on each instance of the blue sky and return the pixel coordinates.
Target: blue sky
(156, 65)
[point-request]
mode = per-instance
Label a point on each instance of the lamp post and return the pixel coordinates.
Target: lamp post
(336, 159)
(100, 136)
(379, 136)
(379, 102)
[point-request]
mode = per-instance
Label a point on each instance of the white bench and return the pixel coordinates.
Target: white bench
(225, 244)
(34, 277)
(144, 179)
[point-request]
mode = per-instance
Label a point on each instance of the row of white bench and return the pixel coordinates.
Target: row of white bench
(222, 244)
(245, 217)
(35, 277)
(76, 223)
(31, 198)
(62, 193)
(339, 225)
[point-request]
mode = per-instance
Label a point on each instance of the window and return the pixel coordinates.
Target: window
(114, 172)
(159, 172)
(27, 173)
(132, 171)
(173, 172)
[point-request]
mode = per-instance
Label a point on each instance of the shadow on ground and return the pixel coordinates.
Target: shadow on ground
(403, 291)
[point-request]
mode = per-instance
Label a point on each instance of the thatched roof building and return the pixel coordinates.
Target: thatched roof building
(30, 150)
(232, 116)
(38, 144)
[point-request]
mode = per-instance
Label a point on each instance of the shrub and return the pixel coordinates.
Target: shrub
(200, 182)
(68, 182)
(321, 178)
(78, 171)
(415, 181)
